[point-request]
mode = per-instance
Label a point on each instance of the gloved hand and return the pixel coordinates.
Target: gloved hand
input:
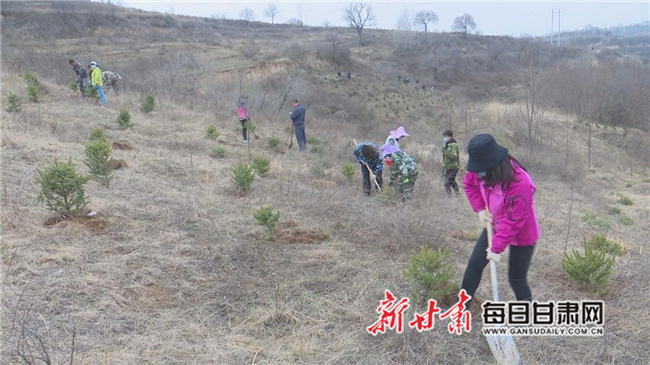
(493, 256)
(485, 217)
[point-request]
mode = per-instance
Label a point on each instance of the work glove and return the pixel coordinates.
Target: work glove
(493, 256)
(485, 217)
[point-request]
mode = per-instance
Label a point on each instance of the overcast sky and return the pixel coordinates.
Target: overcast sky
(492, 18)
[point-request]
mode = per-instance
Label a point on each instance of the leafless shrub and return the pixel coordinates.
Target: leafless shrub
(250, 49)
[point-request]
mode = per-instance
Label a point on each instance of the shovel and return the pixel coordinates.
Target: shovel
(503, 348)
(291, 136)
(372, 176)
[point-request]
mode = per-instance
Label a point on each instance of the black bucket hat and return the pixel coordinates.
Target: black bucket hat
(484, 153)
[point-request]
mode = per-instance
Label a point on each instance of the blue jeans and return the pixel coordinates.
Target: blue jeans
(100, 91)
(300, 135)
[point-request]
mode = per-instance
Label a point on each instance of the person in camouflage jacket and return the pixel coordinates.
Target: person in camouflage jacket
(367, 153)
(451, 162)
(81, 76)
(404, 170)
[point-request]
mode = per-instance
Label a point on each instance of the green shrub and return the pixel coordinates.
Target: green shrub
(625, 220)
(316, 150)
(148, 104)
(124, 118)
(274, 143)
(313, 141)
(261, 165)
(601, 243)
(98, 159)
(218, 152)
(613, 210)
(31, 79)
(242, 176)
(96, 134)
(73, 86)
(14, 104)
(348, 171)
(386, 196)
(628, 185)
(211, 132)
(591, 270)
(91, 93)
(266, 217)
(33, 93)
(595, 220)
(431, 274)
(625, 201)
(61, 188)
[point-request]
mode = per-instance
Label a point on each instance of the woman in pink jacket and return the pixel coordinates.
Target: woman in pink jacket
(500, 190)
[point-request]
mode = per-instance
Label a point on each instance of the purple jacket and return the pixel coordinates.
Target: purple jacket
(513, 210)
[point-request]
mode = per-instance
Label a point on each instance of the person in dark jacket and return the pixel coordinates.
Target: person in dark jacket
(81, 76)
(369, 157)
(297, 116)
(450, 161)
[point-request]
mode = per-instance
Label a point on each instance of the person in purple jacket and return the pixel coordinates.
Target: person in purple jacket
(500, 190)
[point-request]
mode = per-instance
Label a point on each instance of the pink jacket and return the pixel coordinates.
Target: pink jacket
(513, 210)
(243, 114)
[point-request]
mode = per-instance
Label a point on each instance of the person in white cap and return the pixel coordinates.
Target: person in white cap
(97, 82)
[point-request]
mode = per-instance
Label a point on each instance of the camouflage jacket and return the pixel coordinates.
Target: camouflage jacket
(375, 163)
(450, 157)
(80, 71)
(402, 165)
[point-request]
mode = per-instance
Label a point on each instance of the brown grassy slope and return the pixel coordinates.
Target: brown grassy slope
(176, 271)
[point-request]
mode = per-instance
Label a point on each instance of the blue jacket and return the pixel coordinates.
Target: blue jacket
(375, 163)
(298, 114)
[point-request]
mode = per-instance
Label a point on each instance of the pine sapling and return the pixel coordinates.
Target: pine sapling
(124, 118)
(61, 188)
(98, 160)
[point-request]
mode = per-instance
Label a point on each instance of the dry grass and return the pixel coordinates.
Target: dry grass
(174, 269)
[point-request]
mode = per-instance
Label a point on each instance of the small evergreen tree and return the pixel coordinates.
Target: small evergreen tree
(14, 104)
(266, 217)
(97, 133)
(33, 93)
(124, 118)
(148, 104)
(274, 143)
(62, 188)
(218, 152)
(348, 171)
(31, 79)
(73, 86)
(98, 159)
(591, 270)
(242, 176)
(212, 132)
(432, 274)
(261, 165)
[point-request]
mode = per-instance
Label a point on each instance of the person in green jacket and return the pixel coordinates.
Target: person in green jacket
(451, 162)
(97, 82)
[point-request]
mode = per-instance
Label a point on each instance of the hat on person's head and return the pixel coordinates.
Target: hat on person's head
(93, 64)
(388, 149)
(399, 133)
(484, 153)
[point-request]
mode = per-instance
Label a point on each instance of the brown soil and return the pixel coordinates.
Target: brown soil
(122, 146)
(118, 164)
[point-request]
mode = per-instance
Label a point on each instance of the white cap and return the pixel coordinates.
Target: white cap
(94, 64)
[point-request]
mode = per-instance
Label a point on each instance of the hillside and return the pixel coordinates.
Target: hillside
(174, 268)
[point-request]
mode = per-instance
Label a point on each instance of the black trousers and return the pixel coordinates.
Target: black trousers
(450, 181)
(367, 181)
(517, 269)
(244, 130)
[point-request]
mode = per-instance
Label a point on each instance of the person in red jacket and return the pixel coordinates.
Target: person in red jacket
(501, 191)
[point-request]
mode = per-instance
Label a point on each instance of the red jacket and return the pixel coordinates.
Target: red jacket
(513, 210)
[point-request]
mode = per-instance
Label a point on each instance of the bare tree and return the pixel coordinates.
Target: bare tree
(359, 16)
(464, 24)
(247, 14)
(295, 21)
(218, 16)
(326, 24)
(300, 15)
(334, 40)
(425, 17)
(272, 11)
(404, 20)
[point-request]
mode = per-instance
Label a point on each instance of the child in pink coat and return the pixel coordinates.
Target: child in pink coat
(500, 190)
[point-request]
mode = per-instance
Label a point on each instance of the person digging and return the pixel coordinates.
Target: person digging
(404, 170)
(371, 163)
